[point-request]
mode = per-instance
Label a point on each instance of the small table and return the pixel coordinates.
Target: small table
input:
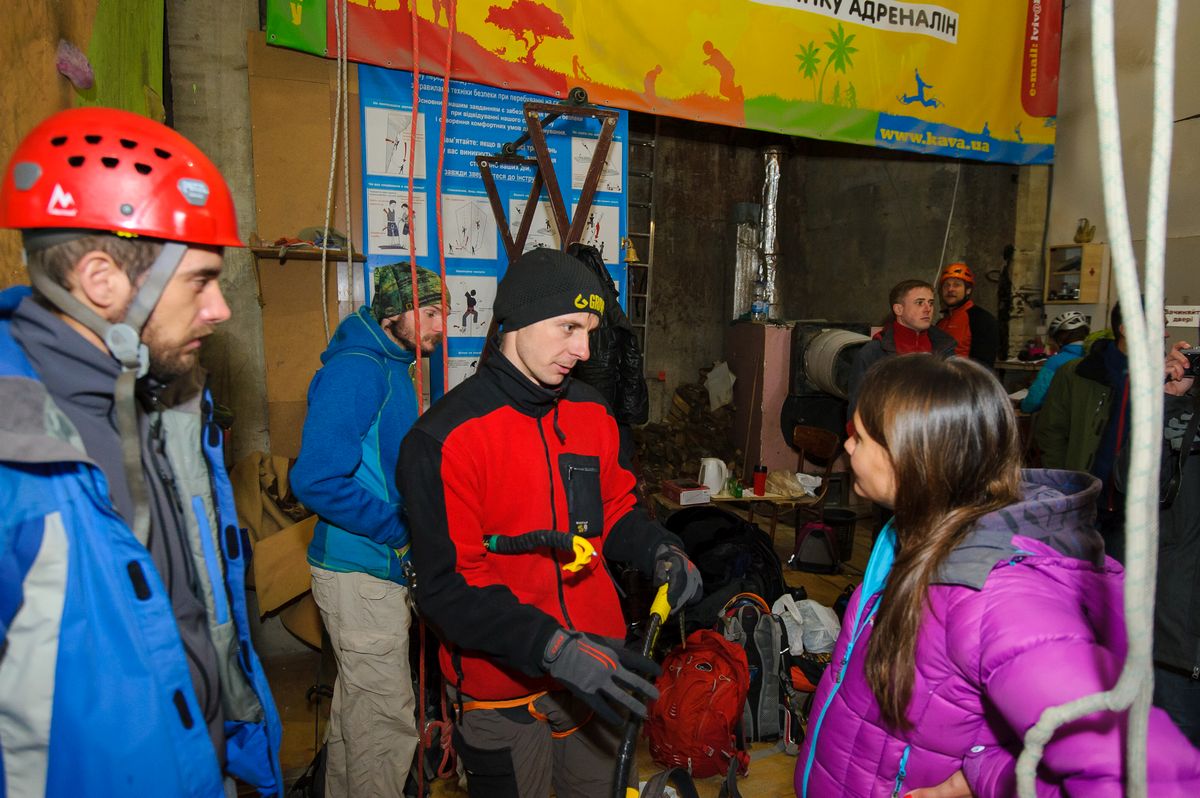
(749, 498)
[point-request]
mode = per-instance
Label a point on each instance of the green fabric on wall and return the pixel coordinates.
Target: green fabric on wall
(126, 53)
(297, 24)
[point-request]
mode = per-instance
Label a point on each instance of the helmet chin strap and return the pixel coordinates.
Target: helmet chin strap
(123, 340)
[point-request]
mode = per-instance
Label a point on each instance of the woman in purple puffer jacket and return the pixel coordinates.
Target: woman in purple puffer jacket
(987, 599)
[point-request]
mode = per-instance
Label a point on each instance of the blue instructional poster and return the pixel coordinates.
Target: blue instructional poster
(480, 120)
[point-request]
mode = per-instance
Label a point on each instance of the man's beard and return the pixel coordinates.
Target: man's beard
(169, 362)
(406, 338)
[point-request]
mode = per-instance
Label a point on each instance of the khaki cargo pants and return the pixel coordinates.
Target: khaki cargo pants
(372, 721)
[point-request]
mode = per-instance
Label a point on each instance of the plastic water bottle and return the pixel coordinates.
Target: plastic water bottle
(758, 306)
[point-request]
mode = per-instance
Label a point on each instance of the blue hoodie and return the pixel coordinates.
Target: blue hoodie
(1037, 392)
(361, 404)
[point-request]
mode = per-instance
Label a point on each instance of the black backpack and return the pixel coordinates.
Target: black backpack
(816, 549)
(732, 555)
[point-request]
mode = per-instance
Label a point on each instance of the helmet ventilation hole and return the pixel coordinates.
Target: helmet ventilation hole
(58, 141)
(92, 138)
(143, 168)
(161, 153)
(76, 160)
(109, 163)
(128, 144)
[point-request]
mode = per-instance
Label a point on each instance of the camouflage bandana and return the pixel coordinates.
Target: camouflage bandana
(393, 293)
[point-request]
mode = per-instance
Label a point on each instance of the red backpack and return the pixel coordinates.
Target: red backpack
(702, 694)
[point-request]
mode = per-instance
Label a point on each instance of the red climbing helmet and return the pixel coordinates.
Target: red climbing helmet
(958, 271)
(116, 171)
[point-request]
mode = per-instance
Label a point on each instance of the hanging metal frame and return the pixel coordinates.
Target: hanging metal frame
(538, 116)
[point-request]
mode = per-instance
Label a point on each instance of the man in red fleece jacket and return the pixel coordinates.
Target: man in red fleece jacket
(504, 479)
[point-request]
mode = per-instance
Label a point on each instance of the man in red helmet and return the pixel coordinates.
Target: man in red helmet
(126, 666)
(974, 329)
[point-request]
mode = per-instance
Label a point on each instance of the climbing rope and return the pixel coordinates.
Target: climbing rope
(1143, 321)
(412, 210)
(450, 29)
(443, 728)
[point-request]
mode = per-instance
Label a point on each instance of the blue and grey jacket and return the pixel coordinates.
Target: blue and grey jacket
(96, 697)
(1041, 384)
(361, 404)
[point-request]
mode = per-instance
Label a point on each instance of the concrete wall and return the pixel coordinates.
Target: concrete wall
(870, 218)
(701, 172)
(211, 106)
(1077, 184)
(853, 222)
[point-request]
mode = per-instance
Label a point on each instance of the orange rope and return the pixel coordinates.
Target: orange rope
(412, 216)
(450, 22)
(444, 727)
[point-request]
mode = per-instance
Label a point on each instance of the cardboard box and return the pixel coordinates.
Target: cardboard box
(685, 491)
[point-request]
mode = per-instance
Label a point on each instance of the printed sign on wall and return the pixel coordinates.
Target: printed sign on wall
(480, 121)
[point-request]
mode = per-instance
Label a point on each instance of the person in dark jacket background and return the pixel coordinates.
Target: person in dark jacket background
(975, 330)
(909, 329)
(616, 366)
(1078, 429)
(1177, 603)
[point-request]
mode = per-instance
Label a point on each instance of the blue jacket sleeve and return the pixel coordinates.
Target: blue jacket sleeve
(344, 400)
(1037, 392)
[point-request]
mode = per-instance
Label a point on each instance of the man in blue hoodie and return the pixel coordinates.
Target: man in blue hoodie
(360, 405)
(1068, 331)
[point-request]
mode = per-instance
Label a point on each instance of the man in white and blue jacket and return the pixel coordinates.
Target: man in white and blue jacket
(360, 405)
(126, 667)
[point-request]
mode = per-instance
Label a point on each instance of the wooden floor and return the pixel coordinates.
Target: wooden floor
(770, 771)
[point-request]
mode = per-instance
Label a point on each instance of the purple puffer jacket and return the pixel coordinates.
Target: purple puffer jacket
(1025, 614)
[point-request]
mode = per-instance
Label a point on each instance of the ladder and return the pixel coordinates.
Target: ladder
(639, 254)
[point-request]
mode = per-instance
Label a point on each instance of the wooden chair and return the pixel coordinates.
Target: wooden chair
(816, 445)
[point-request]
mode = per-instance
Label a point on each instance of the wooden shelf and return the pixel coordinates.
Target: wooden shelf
(306, 253)
(1076, 274)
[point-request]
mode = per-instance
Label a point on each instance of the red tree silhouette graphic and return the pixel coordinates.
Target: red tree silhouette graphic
(526, 18)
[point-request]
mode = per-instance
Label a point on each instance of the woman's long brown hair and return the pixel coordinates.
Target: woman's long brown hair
(950, 432)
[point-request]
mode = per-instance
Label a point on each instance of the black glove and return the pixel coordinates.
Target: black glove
(682, 578)
(600, 674)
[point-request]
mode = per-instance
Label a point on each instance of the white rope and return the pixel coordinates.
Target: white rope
(341, 93)
(946, 238)
(1144, 336)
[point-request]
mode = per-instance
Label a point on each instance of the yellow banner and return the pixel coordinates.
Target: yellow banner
(966, 78)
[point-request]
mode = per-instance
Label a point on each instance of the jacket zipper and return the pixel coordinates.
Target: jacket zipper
(562, 598)
(903, 772)
(842, 666)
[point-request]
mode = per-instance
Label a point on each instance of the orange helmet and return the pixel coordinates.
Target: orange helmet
(958, 271)
(117, 172)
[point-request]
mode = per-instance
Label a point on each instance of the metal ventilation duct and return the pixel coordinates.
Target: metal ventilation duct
(772, 166)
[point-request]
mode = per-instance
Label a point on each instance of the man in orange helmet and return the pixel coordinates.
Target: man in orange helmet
(974, 329)
(126, 666)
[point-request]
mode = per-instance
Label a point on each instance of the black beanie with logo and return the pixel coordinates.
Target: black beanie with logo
(544, 283)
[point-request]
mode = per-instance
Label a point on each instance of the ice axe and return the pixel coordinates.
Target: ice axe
(659, 610)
